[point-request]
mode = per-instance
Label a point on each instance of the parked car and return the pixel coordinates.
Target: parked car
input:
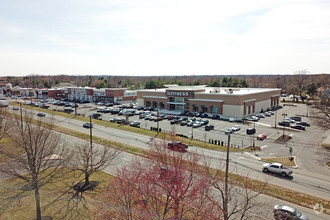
(88, 125)
(15, 108)
(135, 124)
(299, 127)
(232, 120)
(95, 115)
(183, 123)
(261, 115)
(303, 123)
(268, 114)
(284, 123)
(209, 127)
(41, 114)
(190, 123)
(236, 128)
(68, 110)
(276, 168)
(289, 120)
(261, 137)
(296, 118)
(287, 212)
(197, 124)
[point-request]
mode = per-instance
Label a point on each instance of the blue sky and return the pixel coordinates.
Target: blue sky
(164, 37)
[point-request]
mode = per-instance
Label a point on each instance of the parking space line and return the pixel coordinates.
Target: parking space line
(264, 146)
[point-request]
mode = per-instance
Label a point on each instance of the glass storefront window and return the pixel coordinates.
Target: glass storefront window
(214, 109)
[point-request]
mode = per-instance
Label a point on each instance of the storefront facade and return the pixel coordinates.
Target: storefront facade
(231, 102)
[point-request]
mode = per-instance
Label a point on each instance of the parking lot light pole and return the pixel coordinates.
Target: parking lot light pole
(284, 115)
(192, 132)
(254, 134)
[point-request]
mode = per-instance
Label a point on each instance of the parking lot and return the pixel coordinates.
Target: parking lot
(239, 138)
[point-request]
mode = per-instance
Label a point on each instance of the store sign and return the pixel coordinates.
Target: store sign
(175, 93)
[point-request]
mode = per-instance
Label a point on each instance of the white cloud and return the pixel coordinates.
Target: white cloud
(169, 37)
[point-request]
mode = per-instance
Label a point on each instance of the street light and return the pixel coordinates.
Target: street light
(284, 115)
(225, 205)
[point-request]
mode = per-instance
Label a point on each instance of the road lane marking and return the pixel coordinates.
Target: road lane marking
(241, 157)
(252, 156)
(264, 146)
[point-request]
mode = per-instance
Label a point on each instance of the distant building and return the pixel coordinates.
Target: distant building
(231, 102)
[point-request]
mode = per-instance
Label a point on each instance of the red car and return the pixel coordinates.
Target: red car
(177, 146)
(261, 137)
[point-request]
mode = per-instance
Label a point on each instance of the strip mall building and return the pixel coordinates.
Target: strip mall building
(231, 102)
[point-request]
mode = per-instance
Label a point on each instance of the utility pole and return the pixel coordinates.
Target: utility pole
(75, 103)
(225, 204)
(158, 115)
(91, 139)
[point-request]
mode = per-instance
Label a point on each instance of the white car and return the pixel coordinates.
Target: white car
(15, 108)
(287, 212)
(236, 128)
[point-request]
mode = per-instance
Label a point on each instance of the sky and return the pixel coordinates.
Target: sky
(164, 37)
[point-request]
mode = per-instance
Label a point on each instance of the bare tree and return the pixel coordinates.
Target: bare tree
(90, 159)
(300, 77)
(241, 200)
(43, 157)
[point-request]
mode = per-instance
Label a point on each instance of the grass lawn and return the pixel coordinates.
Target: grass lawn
(20, 204)
(7, 148)
(283, 160)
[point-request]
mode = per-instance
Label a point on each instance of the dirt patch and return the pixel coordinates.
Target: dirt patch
(283, 139)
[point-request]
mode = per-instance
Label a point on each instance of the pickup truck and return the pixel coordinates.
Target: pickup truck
(276, 168)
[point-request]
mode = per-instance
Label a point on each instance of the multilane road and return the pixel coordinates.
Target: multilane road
(241, 163)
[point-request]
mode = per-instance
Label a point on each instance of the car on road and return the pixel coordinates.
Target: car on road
(41, 114)
(15, 108)
(303, 123)
(287, 212)
(88, 125)
(299, 127)
(135, 124)
(261, 137)
(276, 168)
(209, 127)
(250, 131)
(177, 146)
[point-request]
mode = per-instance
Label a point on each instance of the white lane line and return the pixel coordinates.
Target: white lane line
(252, 155)
(264, 146)
(271, 153)
(291, 135)
(241, 157)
